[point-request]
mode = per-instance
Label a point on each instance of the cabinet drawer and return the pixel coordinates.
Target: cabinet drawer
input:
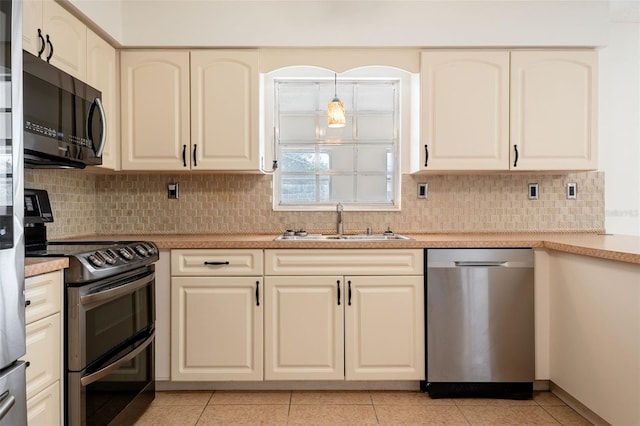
(43, 354)
(216, 262)
(43, 293)
(348, 262)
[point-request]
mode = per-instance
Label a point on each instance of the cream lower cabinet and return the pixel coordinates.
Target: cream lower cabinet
(44, 349)
(365, 326)
(216, 315)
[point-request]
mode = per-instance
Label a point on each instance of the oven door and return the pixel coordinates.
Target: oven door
(116, 392)
(104, 315)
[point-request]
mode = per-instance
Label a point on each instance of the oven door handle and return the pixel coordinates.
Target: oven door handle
(117, 291)
(103, 372)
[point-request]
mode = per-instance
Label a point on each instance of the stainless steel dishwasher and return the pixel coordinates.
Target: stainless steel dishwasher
(479, 323)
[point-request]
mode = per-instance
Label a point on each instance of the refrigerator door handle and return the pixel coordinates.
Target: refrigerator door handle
(7, 401)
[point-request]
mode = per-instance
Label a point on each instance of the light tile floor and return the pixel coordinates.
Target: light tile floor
(350, 408)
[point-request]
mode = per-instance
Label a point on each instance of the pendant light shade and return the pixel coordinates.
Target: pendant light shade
(336, 116)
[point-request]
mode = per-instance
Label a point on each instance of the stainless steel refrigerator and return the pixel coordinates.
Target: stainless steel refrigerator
(13, 411)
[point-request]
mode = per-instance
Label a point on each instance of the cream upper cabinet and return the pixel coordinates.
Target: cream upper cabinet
(186, 110)
(508, 110)
(49, 31)
(465, 110)
(554, 110)
(155, 110)
(216, 315)
(102, 74)
(224, 109)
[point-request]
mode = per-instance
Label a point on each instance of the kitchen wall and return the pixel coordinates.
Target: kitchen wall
(84, 203)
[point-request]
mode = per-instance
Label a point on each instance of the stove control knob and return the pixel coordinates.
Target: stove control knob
(141, 251)
(108, 257)
(150, 248)
(125, 253)
(96, 260)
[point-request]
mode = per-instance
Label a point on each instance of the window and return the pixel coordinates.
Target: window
(357, 165)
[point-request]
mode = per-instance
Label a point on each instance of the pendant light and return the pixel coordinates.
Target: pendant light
(336, 116)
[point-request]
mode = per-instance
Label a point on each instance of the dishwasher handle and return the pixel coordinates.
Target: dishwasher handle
(482, 263)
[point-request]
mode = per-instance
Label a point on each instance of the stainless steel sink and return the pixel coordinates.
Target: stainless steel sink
(357, 237)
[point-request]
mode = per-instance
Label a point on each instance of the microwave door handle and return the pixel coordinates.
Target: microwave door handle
(103, 372)
(97, 103)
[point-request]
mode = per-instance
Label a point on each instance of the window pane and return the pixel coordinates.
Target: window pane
(372, 188)
(335, 134)
(375, 127)
(298, 128)
(327, 93)
(373, 159)
(342, 188)
(376, 97)
(340, 157)
(298, 189)
(298, 160)
(297, 97)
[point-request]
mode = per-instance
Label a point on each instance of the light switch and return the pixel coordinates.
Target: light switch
(422, 190)
(572, 191)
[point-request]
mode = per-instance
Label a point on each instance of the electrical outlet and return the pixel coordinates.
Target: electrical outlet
(422, 190)
(172, 191)
(533, 191)
(572, 191)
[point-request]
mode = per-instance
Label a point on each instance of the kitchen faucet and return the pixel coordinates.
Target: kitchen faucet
(339, 210)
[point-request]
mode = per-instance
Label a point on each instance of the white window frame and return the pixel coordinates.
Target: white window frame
(405, 127)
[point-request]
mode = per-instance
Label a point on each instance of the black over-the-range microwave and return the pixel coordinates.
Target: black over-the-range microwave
(64, 121)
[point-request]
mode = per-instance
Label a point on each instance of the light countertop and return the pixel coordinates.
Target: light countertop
(612, 247)
(42, 265)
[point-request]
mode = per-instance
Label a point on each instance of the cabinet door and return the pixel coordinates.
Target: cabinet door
(43, 354)
(224, 108)
(384, 328)
(465, 110)
(102, 74)
(44, 408)
(216, 328)
(31, 23)
(304, 328)
(68, 36)
(155, 110)
(553, 110)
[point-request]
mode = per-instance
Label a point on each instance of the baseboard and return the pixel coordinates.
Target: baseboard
(579, 407)
(290, 385)
(541, 385)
